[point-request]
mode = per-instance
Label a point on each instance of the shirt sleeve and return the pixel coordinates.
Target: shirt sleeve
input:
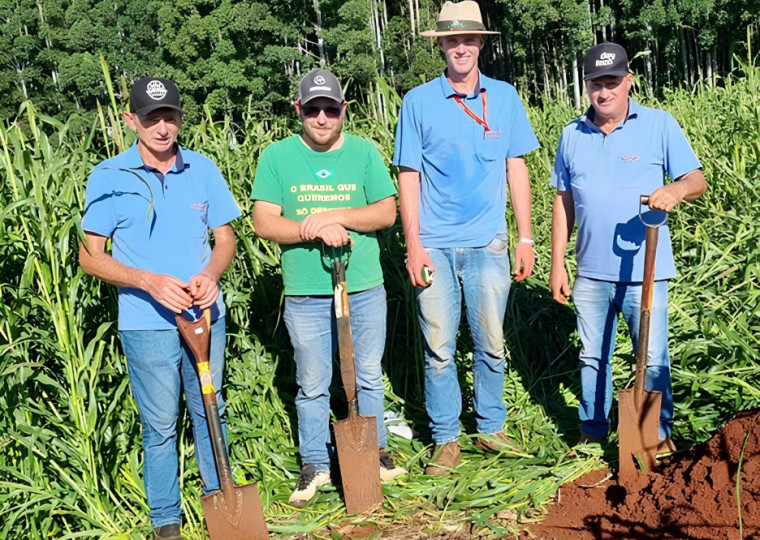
(377, 184)
(408, 147)
(561, 174)
(267, 184)
(222, 207)
(522, 139)
(99, 210)
(679, 156)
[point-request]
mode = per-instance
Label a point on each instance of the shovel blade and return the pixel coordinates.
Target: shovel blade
(356, 440)
(238, 516)
(638, 433)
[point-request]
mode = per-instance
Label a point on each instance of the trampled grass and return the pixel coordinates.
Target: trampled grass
(70, 457)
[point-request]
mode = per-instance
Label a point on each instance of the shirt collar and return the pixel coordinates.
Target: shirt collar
(588, 116)
(448, 90)
(133, 160)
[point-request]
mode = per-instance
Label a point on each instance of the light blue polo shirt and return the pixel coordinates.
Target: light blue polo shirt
(171, 238)
(463, 192)
(606, 175)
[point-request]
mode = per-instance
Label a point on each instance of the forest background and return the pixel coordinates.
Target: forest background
(70, 454)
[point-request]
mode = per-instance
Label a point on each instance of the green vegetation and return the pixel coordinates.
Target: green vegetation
(70, 456)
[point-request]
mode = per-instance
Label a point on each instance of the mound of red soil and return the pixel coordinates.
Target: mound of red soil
(690, 495)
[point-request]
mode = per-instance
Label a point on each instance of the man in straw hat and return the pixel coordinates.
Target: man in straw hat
(453, 138)
(614, 153)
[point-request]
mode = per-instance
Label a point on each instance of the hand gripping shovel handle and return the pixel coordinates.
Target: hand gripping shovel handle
(197, 336)
(345, 339)
(647, 288)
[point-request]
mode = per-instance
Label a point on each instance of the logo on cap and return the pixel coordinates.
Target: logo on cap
(606, 59)
(319, 80)
(156, 90)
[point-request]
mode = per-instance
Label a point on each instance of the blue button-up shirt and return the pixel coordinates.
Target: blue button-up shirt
(606, 175)
(462, 170)
(158, 223)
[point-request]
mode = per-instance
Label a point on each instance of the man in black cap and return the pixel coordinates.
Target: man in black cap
(614, 153)
(157, 202)
(315, 194)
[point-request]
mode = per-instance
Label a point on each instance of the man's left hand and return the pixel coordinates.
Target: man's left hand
(524, 260)
(665, 198)
(203, 290)
(313, 223)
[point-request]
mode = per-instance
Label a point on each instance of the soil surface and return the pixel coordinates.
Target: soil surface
(691, 494)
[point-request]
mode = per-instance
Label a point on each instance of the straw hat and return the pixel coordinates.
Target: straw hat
(461, 18)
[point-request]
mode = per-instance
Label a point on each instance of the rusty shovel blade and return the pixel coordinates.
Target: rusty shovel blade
(638, 433)
(356, 441)
(236, 517)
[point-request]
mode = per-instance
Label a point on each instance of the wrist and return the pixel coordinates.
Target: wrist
(525, 240)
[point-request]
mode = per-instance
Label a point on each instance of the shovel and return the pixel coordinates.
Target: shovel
(233, 512)
(639, 409)
(356, 436)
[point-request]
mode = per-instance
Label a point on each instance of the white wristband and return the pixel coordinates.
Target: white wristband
(526, 241)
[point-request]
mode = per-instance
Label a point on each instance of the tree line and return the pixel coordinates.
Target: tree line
(233, 56)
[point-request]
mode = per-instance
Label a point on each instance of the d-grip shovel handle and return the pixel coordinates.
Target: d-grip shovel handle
(647, 288)
(197, 336)
(345, 339)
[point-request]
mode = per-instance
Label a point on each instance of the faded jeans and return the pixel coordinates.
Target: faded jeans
(598, 304)
(482, 275)
(159, 367)
(311, 324)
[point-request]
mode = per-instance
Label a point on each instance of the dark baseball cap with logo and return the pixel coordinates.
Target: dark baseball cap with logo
(605, 59)
(319, 83)
(151, 93)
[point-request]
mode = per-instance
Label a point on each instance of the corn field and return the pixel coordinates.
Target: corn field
(70, 446)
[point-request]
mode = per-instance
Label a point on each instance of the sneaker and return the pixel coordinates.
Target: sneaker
(167, 532)
(666, 446)
(308, 482)
(496, 442)
(445, 457)
(389, 471)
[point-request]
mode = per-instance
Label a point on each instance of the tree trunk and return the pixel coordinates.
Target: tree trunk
(576, 84)
(411, 17)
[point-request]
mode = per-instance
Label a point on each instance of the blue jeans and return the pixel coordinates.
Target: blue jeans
(311, 324)
(158, 369)
(482, 274)
(598, 304)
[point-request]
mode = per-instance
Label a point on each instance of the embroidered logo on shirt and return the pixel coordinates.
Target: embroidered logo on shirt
(324, 173)
(628, 159)
(202, 207)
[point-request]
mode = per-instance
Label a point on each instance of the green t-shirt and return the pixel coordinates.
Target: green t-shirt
(303, 181)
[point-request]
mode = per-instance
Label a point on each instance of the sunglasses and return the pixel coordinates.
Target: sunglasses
(313, 112)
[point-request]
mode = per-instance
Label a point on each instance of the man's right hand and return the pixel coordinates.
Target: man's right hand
(168, 291)
(416, 258)
(559, 284)
(334, 235)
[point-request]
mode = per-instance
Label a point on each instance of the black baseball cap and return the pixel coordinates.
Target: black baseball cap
(319, 83)
(605, 59)
(151, 93)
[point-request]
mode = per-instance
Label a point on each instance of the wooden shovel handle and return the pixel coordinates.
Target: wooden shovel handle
(647, 288)
(345, 338)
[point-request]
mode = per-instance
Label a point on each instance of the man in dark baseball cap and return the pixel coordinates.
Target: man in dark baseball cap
(151, 93)
(617, 151)
(162, 266)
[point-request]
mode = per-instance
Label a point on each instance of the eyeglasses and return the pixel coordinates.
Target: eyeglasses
(313, 111)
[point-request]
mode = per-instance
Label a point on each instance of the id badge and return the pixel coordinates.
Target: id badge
(492, 134)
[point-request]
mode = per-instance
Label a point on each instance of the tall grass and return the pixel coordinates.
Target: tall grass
(70, 458)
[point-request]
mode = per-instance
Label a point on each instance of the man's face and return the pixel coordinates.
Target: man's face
(322, 120)
(609, 95)
(461, 52)
(156, 130)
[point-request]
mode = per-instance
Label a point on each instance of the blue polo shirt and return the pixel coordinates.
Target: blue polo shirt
(463, 192)
(606, 175)
(169, 237)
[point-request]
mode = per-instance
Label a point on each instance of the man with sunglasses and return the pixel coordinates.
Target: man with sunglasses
(459, 139)
(319, 194)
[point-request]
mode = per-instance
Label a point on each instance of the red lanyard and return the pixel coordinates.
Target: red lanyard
(481, 121)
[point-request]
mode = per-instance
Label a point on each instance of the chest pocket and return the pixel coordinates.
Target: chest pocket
(492, 149)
